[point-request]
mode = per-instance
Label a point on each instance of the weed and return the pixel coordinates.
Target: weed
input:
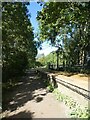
(76, 110)
(50, 88)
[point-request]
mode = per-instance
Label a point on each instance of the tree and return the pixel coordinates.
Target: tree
(19, 49)
(71, 21)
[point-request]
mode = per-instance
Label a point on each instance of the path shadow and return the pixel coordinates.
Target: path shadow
(24, 92)
(20, 115)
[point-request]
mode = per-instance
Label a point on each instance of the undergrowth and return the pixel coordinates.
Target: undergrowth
(76, 110)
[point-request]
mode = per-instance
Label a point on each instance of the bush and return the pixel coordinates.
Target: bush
(50, 88)
(15, 67)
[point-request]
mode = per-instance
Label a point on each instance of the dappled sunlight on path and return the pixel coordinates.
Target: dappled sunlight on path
(30, 100)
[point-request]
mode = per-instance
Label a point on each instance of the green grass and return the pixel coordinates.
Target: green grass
(76, 110)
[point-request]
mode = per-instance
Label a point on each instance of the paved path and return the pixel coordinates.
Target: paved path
(31, 100)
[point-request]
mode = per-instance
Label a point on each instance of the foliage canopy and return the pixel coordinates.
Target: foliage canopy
(19, 49)
(70, 23)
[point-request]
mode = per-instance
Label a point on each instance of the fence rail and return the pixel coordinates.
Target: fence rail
(85, 93)
(81, 91)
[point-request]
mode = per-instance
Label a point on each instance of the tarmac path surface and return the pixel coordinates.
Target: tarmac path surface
(30, 99)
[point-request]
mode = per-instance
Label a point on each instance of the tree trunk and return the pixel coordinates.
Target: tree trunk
(57, 60)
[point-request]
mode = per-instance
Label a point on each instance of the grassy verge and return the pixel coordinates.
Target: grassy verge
(75, 109)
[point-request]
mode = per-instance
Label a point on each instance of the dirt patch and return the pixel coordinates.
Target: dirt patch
(84, 77)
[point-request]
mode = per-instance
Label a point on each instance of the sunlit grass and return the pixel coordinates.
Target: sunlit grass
(76, 111)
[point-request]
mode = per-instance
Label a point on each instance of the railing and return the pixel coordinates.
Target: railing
(85, 93)
(81, 91)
